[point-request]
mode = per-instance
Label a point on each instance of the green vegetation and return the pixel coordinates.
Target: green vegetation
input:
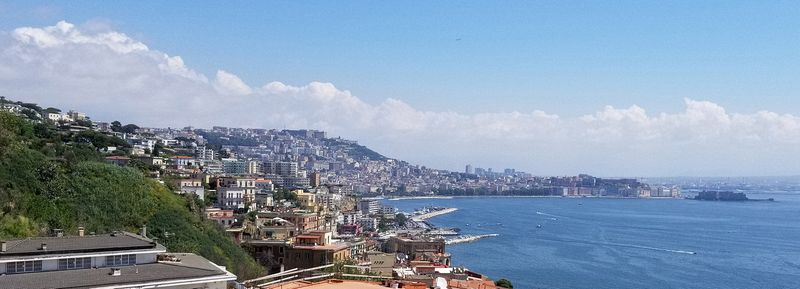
(504, 283)
(128, 128)
(400, 219)
(284, 194)
(217, 140)
(52, 179)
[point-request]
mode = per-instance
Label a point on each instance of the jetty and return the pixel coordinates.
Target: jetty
(468, 238)
(431, 214)
(442, 232)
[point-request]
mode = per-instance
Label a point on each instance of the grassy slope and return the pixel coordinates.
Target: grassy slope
(45, 184)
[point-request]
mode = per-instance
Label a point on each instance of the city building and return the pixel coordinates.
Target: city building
(314, 179)
(381, 263)
(284, 169)
(225, 218)
(236, 193)
(368, 207)
(414, 247)
(235, 166)
(116, 260)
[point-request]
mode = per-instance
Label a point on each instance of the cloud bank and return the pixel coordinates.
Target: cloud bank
(112, 76)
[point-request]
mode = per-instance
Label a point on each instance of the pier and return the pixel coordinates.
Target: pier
(428, 215)
(467, 239)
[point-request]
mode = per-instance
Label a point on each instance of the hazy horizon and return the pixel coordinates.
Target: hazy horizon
(543, 88)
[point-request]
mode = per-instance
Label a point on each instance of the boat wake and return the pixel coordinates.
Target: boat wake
(627, 246)
(549, 215)
(651, 248)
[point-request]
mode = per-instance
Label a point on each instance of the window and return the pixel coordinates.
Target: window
(74, 263)
(23, 267)
(120, 260)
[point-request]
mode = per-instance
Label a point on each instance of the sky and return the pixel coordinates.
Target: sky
(610, 88)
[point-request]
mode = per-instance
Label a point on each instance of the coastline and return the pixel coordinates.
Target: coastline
(569, 197)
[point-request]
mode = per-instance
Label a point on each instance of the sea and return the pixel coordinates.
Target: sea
(626, 243)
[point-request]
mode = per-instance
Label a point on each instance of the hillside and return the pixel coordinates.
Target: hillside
(53, 179)
(355, 150)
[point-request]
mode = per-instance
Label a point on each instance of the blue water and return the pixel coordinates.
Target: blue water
(627, 243)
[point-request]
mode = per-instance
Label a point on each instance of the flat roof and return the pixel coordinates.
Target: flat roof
(76, 244)
(334, 247)
(190, 267)
(328, 284)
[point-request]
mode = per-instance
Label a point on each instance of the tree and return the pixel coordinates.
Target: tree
(401, 219)
(504, 283)
(31, 114)
(157, 148)
(383, 225)
(116, 126)
(84, 122)
(129, 128)
(32, 106)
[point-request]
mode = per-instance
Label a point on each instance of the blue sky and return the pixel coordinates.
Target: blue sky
(566, 57)
(611, 88)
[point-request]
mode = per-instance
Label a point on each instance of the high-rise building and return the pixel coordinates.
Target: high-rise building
(469, 170)
(234, 166)
(253, 167)
(314, 179)
(368, 207)
(284, 169)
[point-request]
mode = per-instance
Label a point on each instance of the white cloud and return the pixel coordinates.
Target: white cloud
(230, 84)
(112, 76)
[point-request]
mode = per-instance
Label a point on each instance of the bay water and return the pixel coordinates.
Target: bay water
(626, 243)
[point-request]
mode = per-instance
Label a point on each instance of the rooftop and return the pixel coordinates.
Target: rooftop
(334, 247)
(76, 244)
(117, 158)
(190, 267)
(328, 284)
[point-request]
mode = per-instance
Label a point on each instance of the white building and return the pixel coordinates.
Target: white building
(76, 115)
(10, 107)
(329, 201)
(351, 218)
(183, 161)
(117, 260)
(51, 116)
(239, 194)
